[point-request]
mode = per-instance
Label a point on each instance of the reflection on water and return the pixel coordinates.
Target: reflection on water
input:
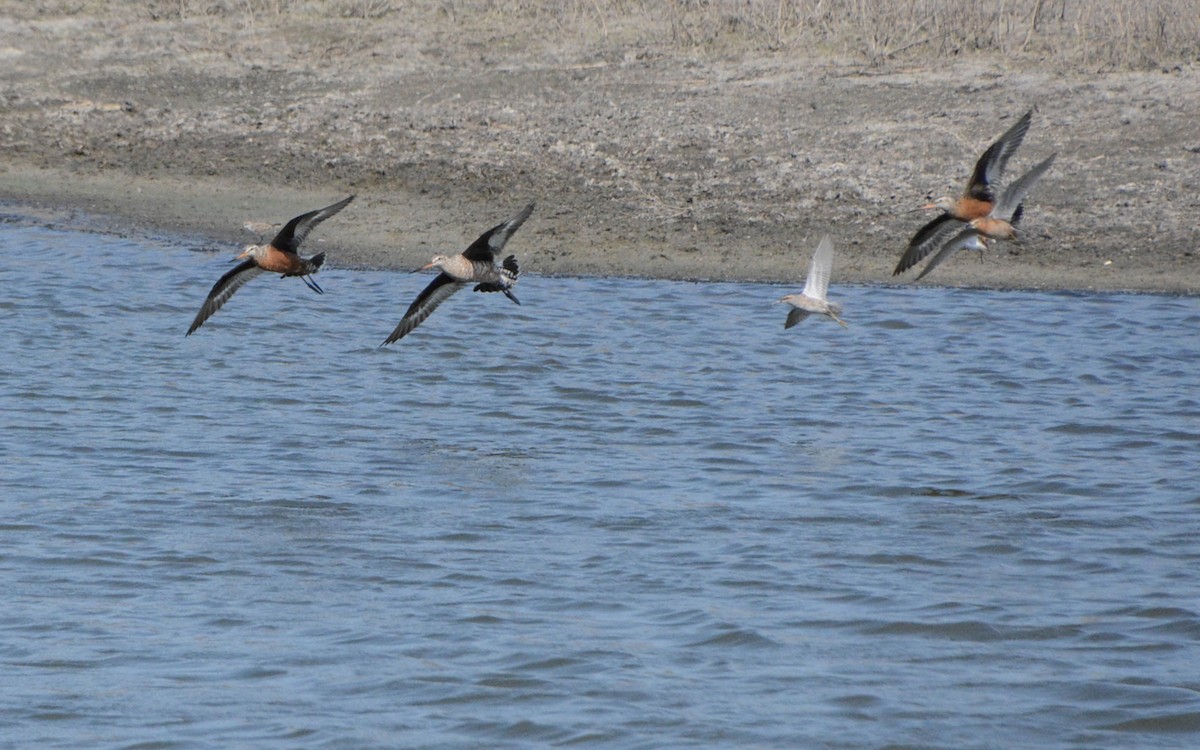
(626, 513)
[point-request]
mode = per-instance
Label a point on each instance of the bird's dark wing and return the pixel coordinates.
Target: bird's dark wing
(990, 167)
(956, 243)
(223, 290)
(492, 241)
(423, 306)
(795, 315)
(294, 232)
(926, 240)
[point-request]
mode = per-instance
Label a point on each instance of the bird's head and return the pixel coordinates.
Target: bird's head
(251, 251)
(437, 261)
(945, 203)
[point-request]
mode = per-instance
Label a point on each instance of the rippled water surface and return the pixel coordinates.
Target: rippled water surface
(624, 514)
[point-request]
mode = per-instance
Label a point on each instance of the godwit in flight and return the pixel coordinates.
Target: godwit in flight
(812, 299)
(475, 265)
(999, 224)
(975, 202)
(279, 256)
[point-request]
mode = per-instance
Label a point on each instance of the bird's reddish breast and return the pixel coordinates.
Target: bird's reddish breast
(279, 261)
(969, 208)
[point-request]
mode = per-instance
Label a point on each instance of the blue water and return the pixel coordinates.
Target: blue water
(629, 514)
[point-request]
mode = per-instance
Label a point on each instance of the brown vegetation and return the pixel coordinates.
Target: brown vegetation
(1091, 35)
(1088, 35)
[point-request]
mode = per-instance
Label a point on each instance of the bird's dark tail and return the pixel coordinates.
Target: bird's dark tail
(317, 261)
(509, 270)
(1018, 234)
(1016, 217)
(510, 265)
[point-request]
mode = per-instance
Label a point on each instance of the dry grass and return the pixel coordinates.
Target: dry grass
(1080, 34)
(1091, 34)
(1088, 33)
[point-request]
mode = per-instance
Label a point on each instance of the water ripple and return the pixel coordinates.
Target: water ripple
(672, 524)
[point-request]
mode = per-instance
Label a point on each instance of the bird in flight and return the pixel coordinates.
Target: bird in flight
(475, 265)
(999, 224)
(281, 255)
(976, 201)
(813, 298)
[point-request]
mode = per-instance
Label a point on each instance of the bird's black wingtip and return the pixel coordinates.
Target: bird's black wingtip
(393, 338)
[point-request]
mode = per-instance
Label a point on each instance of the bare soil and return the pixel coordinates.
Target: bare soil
(645, 159)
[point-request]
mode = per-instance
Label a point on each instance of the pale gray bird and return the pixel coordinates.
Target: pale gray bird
(812, 299)
(965, 240)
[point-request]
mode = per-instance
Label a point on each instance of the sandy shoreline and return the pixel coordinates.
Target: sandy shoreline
(643, 162)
